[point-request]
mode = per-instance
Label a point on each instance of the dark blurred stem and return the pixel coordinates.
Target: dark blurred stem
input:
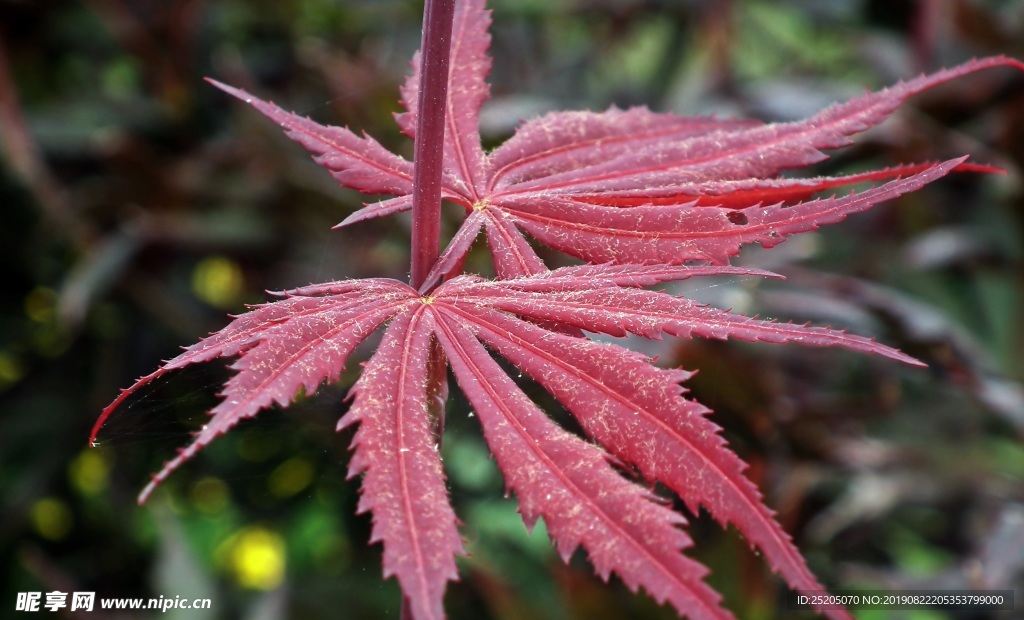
(927, 22)
(19, 146)
(428, 156)
(718, 25)
(437, 386)
(166, 62)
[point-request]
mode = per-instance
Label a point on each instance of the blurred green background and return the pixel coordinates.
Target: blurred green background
(141, 206)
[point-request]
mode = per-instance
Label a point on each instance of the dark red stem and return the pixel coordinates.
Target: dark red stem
(428, 157)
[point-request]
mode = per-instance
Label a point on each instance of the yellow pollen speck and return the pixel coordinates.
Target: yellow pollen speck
(218, 281)
(11, 370)
(51, 518)
(256, 556)
(291, 477)
(89, 472)
(210, 495)
(426, 301)
(41, 304)
(481, 205)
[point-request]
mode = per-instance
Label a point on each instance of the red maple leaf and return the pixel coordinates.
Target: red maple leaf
(641, 197)
(696, 188)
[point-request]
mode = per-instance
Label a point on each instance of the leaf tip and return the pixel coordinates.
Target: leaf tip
(231, 90)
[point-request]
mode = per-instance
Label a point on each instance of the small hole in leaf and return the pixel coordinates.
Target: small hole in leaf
(737, 217)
